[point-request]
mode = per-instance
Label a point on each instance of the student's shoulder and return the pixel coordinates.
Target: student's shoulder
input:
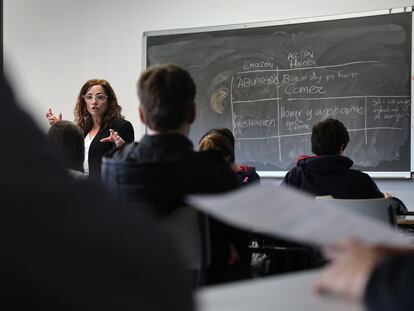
(211, 156)
(359, 174)
(210, 162)
(216, 171)
(294, 171)
(122, 153)
(365, 181)
(294, 176)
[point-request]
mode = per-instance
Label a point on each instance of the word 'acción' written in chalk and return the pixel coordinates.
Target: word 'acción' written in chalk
(301, 58)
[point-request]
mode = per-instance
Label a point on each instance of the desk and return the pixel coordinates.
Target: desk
(287, 292)
(407, 220)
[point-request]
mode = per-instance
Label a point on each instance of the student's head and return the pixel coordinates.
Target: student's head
(96, 98)
(67, 139)
(221, 140)
(166, 94)
(329, 137)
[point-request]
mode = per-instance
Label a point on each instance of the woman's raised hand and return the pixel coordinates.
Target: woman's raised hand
(113, 137)
(52, 118)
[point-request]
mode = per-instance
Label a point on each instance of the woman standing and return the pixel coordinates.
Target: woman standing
(98, 114)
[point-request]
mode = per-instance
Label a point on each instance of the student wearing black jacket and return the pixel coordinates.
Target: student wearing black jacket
(222, 141)
(68, 245)
(329, 172)
(164, 167)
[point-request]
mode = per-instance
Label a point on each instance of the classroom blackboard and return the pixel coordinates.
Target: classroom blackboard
(270, 83)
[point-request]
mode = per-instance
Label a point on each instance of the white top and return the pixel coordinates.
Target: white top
(88, 141)
(76, 174)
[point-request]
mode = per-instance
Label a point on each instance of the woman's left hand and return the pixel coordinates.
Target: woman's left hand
(113, 137)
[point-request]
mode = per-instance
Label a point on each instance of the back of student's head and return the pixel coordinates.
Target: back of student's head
(221, 140)
(166, 94)
(67, 139)
(328, 137)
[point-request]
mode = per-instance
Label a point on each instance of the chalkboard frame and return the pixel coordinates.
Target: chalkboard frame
(271, 174)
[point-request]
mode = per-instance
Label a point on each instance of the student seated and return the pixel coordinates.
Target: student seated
(163, 167)
(70, 246)
(222, 140)
(329, 171)
(67, 139)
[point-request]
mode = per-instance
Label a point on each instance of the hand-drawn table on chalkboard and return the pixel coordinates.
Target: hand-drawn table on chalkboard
(270, 83)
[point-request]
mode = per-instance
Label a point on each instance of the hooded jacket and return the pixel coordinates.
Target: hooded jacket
(331, 175)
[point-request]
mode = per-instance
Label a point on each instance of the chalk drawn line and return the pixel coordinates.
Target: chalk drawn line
(309, 68)
(309, 133)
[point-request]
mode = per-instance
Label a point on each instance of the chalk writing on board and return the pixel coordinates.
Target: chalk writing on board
(271, 84)
(298, 121)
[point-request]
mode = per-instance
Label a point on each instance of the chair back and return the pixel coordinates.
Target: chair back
(380, 209)
(188, 229)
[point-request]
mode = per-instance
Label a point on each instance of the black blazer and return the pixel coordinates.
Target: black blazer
(97, 149)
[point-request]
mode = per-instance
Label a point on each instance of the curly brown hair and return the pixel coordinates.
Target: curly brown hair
(83, 118)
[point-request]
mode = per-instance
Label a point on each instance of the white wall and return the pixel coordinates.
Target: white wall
(52, 47)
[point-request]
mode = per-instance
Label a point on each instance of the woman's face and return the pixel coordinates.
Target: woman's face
(96, 101)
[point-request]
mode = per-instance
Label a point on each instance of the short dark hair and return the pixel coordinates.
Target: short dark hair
(166, 93)
(67, 139)
(328, 136)
(219, 139)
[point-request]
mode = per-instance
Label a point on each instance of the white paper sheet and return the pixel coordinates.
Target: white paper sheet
(287, 213)
(287, 292)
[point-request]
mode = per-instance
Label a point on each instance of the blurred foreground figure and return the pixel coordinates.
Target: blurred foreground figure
(68, 245)
(379, 276)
